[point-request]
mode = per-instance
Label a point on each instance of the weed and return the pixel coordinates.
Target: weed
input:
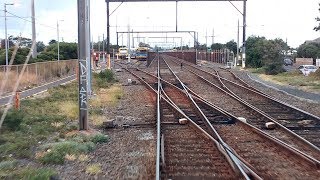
(83, 158)
(104, 78)
(93, 169)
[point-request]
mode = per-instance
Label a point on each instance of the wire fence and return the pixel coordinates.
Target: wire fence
(37, 73)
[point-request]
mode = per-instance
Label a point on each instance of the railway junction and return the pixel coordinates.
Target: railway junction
(182, 117)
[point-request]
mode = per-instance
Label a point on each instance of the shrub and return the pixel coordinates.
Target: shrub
(273, 69)
(107, 75)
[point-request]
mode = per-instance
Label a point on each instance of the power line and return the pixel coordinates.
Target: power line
(30, 20)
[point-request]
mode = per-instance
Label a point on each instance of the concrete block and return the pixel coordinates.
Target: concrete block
(242, 119)
(109, 124)
(129, 81)
(183, 121)
(270, 125)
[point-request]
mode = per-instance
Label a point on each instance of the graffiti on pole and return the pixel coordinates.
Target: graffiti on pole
(83, 70)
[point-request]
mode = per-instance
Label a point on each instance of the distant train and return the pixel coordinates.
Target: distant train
(142, 53)
(123, 53)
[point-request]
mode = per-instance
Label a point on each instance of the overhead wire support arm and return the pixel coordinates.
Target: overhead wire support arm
(236, 8)
(116, 8)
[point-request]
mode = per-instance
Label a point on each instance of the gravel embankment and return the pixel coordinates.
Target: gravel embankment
(130, 152)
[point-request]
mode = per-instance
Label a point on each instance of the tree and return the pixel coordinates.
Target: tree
(52, 41)
(217, 46)
(265, 53)
(309, 50)
(40, 46)
(141, 44)
(232, 46)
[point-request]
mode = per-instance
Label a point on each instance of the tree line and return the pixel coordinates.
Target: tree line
(45, 52)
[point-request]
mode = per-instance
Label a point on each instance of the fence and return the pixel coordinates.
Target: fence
(36, 73)
(218, 56)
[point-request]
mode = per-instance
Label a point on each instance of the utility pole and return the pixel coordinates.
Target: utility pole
(103, 55)
(108, 28)
(83, 21)
(6, 34)
(99, 46)
(129, 50)
(34, 50)
(238, 37)
(244, 34)
(88, 36)
(58, 38)
(176, 16)
(213, 36)
(206, 40)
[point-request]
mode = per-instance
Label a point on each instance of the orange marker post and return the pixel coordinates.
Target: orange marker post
(17, 100)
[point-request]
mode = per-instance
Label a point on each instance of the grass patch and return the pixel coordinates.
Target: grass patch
(37, 120)
(76, 145)
(107, 97)
(9, 171)
(297, 79)
(55, 153)
(42, 129)
(70, 109)
(93, 169)
(37, 174)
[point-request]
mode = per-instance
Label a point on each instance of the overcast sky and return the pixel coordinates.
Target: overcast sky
(287, 19)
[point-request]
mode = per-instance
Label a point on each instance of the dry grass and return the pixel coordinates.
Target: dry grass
(83, 158)
(96, 119)
(309, 83)
(27, 80)
(107, 97)
(69, 109)
(93, 169)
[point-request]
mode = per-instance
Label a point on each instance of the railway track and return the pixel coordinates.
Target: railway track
(186, 151)
(279, 159)
(245, 138)
(298, 121)
(239, 108)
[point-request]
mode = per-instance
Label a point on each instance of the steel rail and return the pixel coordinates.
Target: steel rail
(158, 128)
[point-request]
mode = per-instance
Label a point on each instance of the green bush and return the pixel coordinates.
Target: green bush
(107, 75)
(13, 119)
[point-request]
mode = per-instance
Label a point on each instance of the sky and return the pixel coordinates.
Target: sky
(286, 19)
